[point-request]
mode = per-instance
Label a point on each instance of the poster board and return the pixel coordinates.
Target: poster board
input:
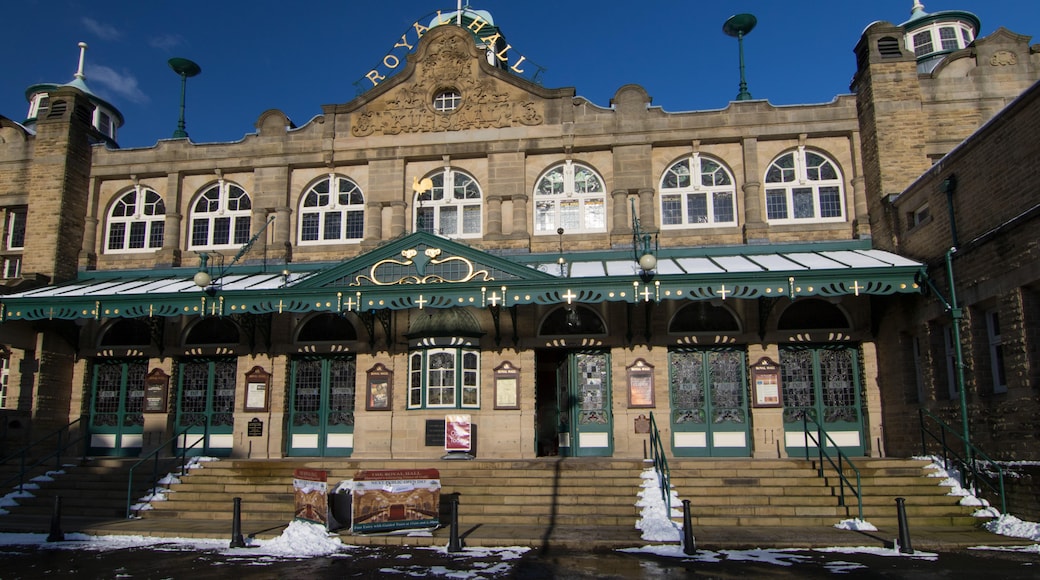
(257, 383)
(765, 383)
(310, 491)
(156, 387)
(392, 500)
(640, 385)
(507, 386)
(379, 394)
(457, 433)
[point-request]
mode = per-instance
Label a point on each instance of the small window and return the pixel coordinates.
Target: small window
(104, 124)
(452, 208)
(445, 378)
(333, 210)
(697, 191)
(136, 222)
(948, 38)
(803, 186)
(996, 352)
(951, 362)
(221, 217)
(571, 196)
(15, 239)
(12, 267)
(5, 375)
(923, 43)
(918, 217)
(447, 101)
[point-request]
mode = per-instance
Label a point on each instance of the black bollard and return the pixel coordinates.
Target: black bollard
(904, 530)
(56, 534)
(689, 545)
(237, 541)
(454, 542)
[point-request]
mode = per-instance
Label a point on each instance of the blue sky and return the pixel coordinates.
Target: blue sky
(296, 56)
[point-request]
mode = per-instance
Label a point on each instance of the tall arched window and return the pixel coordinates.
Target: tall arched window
(697, 191)
(452, 208)
(570, 196)
(804, 186)
(136, 222)
(332, 210)
(220, 217)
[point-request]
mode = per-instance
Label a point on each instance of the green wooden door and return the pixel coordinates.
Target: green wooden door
(708, 390)
(824, 383)
(206, 405)
(321, 410)
(116, 403)
(590, 424)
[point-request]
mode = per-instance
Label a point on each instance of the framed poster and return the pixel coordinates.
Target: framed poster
(640, 385)
(379, 393)
(257, 382)
(507, 386)
(156, 386)
(765, 383)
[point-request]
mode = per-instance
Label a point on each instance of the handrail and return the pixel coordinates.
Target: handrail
(821, 438)
(155, 467)
(965, 465)
(62, 445)
(661, 465)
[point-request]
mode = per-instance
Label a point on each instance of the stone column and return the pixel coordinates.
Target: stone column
(373, 221)
(646, 209)
(494, 216)
(397, 218)
(622, 221)
(520, 216)
(755, 227)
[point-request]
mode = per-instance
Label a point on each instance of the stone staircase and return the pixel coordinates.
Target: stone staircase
(789, 493)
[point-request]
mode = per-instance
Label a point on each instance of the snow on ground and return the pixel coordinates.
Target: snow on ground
(856, 525)
(654, 520)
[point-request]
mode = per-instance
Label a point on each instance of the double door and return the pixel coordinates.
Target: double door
(822, 383)
(206, 405)
(709, 416)
(116, 421)
(321, 410)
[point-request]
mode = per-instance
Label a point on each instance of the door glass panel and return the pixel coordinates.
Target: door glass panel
(224, 393)
(797, 379)
(106, 395)
(839, 395)
(133, 409)
(307, 393)
(727, 388)
(194, 386)
(687, 378)
(341, 392)
(592, 388)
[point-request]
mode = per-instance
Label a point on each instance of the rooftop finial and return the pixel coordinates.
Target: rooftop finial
(918, 7)
(82, 55)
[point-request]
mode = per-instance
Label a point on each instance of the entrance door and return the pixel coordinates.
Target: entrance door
(586, 404)
(321, 413)
(824, 383)
(116, 402)
(206, 405)
(709, 403)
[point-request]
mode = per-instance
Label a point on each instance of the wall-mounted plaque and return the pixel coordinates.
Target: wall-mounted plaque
(507, 386)
(640, 384)
(765, 382)
(258, 381)
(380, 388)
(156, 387)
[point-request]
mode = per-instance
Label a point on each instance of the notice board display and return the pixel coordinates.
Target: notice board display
(310, 488)
(391, 500)
(765, 381)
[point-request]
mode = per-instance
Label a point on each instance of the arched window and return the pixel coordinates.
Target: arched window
(332, 210)
(570, 196)
(220, 217)
(136, 222)
(452, 208)
(697, 191)
(804, 185)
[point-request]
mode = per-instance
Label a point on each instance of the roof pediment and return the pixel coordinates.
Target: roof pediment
(447, 59)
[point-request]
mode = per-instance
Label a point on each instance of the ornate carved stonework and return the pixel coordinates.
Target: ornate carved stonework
(1003, 58)
(447, 65)
(426, 267)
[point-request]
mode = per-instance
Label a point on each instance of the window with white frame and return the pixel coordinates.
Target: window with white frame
(802, 186)
(452, 208)
(14, 238)
(571, 196)
(697, 191)
(447, 101)
(220, 217)
(136, 222)
(941, 37)
(332, 210)
(447, 378)
(996, 351)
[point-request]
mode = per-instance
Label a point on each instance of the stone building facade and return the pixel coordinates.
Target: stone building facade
(459, 245)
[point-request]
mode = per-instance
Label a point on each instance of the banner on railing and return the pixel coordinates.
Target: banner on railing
(310, 488)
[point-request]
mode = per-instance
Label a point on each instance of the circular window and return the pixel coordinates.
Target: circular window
(447, 101)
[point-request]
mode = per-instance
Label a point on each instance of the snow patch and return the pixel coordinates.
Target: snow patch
(1009, 525)
(856, 525)
(655, 521)
(302, 539)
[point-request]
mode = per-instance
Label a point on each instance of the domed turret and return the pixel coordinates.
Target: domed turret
(933, 36)
(106, 119)
(481, 24)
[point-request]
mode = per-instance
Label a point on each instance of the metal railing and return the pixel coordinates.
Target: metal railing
(661, 465)
(822, 439)
(63, 440)
(970, 465)
(182, 449)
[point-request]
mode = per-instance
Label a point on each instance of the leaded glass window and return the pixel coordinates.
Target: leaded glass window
(119, 394)
(593, 385)
(444, 378)
(707, 386)
(332, 210)
(571, 196)
(804, 185)
(136, 222)
(697, 191)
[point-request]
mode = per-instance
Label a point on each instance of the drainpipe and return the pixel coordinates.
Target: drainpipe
(948, 186)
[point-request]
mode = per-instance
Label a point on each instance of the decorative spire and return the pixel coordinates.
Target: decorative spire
(918, 7)
(82, 55)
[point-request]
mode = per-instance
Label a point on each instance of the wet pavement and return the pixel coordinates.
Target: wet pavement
(175, 561)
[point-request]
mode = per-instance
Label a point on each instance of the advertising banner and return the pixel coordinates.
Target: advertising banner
(457, 433)
(391, 500)
(310, 486)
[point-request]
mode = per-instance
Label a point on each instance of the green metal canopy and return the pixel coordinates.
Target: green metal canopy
(423, 270)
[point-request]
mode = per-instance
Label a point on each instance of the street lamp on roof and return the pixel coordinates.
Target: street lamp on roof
(185, 68)
(739, 26)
